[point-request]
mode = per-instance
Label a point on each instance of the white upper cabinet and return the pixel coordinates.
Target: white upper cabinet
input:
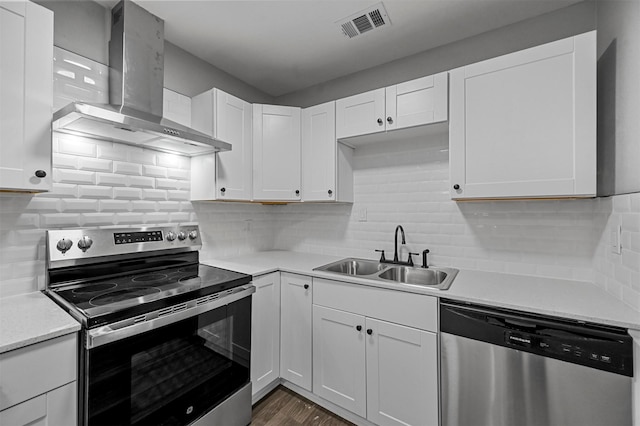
(360, 114)
(327, 172)
(26, 103)
(276, 153)
(524, 124)
(413, 103)
(226, 175)
(176, 107)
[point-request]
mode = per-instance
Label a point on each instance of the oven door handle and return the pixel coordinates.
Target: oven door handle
(153, 320)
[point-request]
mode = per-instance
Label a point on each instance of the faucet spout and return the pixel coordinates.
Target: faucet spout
(395, 242)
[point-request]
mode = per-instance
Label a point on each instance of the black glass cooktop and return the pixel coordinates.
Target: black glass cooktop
(112, 299)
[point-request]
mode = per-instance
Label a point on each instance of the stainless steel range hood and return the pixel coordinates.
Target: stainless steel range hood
(136, 79)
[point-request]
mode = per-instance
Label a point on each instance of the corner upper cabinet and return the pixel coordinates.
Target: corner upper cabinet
(26, 84)
(276, 153)
(226, 175)
(412, 103)
(327, 166)
(524, 124)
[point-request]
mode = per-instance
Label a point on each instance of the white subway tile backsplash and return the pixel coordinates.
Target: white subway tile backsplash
(75, 145)
(168, 206)
(98, 219)
(154, 194)
(111, 179)
(141, 181)
(61, 220)
(172, 184)
(178, 195)
(142, 156)
(115, 206)
(78, 205)
(74, 176)
(123, 168)
(154, 171)
(127, 193)
(95, 164)
(92, 191)
(111, 151)
(65, 161)
(178, 174)
(144, 206)
(131, 218)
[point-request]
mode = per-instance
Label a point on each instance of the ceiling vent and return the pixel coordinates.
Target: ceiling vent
(371, 18)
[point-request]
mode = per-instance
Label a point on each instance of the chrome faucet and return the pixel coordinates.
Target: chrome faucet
(395, 242)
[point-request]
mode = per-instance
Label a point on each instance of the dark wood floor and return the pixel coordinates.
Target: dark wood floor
(283, 407)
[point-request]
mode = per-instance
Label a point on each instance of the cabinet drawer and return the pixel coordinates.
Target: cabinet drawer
(33, 370)
(414, 310)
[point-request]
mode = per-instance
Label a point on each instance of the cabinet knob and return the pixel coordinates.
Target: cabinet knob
(369, 331)
(359, 327)
(41, 173)
(380, 121)
(389, 120)
(223, 190)
(306, 286)
(297, 192)
(329, 192)
(456, 186)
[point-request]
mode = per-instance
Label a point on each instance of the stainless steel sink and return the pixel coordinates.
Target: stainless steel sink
(439, 278)
(354, 267)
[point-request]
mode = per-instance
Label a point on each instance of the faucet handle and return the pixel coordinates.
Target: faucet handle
(382, 258)
(410, 259)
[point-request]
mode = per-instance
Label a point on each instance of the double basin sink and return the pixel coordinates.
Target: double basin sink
(438, 278)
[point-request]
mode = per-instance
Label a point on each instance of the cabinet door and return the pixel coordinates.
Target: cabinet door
(523, 124)
(339, 373)
(234, 168)
(26, 84)
(55, 408)
(402, 375)
(265, 331)
(319, 150)
(176, 107)
(360, 114)
(417, 102)
(295, 330)
(276, 153)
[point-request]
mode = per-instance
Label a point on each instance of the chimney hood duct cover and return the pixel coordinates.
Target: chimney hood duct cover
(136, 80)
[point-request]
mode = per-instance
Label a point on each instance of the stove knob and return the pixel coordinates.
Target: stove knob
(171, 236)
(84, 243)
(193, 235)
(182, 236)
(64, 245)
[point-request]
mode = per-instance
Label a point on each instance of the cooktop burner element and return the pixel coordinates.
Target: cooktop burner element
(119, 296)
(95, 288)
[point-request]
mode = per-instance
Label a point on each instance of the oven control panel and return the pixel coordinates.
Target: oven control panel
(73, 244)
(136, 237)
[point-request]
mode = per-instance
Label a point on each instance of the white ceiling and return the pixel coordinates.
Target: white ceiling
(283, 46)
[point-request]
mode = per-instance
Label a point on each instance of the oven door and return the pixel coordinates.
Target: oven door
(170, 375)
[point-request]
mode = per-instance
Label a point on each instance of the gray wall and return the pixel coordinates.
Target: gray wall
(552, 26)
(618, 25)
(84, 27)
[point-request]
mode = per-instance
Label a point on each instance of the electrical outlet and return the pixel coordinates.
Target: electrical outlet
(362, 215)
(615, 239)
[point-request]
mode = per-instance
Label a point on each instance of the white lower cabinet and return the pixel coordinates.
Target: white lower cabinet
(339, 371)
(265, 331)
(402, 375)
(295, 329)
(365, 361)
(38, 384)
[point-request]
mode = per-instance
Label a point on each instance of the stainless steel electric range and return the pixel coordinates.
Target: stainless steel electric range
(165, 340)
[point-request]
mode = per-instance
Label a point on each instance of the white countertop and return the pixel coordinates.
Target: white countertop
(31, 318)
(577, 300)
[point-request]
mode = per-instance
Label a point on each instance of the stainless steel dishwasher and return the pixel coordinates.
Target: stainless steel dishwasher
(504, 368)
